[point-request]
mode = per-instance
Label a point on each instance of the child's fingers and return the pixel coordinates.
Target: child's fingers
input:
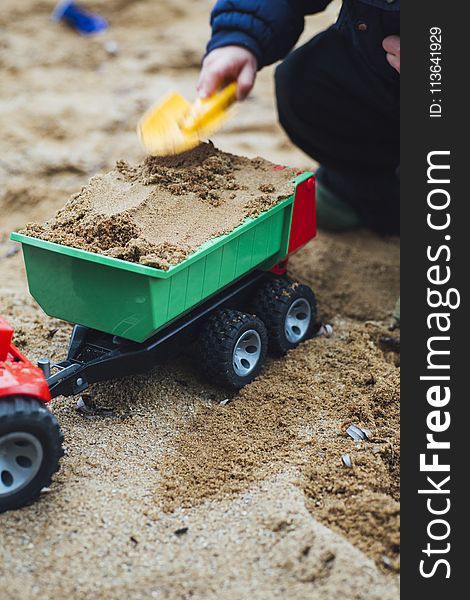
(213, 74)
(209, 81)
(245, 80)
(391, 44)
(226, 64)
(394, 61)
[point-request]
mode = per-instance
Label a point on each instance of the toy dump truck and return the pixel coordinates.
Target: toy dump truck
(231, 298)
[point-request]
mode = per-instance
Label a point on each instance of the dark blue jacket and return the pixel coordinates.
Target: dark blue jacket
(270, 28)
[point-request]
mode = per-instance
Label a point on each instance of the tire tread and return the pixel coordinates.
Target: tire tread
(216, 341)
(16, 408)
(270, 304)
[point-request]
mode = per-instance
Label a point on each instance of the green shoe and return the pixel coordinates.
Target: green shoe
(333, 214)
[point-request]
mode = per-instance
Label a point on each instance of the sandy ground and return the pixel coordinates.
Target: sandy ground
(168, 494)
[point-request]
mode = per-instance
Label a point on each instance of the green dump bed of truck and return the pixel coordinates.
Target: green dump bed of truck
(134, 301)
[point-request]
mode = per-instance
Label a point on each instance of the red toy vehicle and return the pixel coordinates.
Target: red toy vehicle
(30, 437)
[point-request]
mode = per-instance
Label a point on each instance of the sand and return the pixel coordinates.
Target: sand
(166, 493)
(159, 212)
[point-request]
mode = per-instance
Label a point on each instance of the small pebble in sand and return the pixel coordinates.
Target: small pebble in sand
(325, 330)
(357, 433)
(111, 47)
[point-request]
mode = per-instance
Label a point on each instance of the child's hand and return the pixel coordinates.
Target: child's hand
(227, 64)
(391, 45)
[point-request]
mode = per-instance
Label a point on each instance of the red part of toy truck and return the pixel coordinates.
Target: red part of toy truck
(30, 437)
(17, 375)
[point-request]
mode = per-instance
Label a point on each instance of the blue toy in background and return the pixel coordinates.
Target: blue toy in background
(81, 20)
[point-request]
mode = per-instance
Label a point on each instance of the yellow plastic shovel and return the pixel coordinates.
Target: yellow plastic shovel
(174, 125)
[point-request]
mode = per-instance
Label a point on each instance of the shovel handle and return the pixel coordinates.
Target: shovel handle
(225, 97)
(209, 108)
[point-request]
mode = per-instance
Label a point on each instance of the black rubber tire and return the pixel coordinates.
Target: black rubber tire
(29, 415)
(272, 303)
(217, 342)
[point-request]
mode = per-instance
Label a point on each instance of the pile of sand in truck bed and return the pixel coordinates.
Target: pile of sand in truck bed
(162, 210)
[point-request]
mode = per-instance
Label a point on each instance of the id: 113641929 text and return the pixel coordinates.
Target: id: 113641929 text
(435, 72)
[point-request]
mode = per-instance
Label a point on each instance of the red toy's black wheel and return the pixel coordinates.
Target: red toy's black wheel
(289, 311)
(30, 450)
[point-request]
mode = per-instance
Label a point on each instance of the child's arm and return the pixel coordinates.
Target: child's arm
(248, 35)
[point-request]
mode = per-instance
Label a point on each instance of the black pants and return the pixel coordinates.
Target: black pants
(347, 117)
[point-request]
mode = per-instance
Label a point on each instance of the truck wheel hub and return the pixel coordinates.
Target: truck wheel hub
(20, 460)
(246, 353)
(297, 320)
